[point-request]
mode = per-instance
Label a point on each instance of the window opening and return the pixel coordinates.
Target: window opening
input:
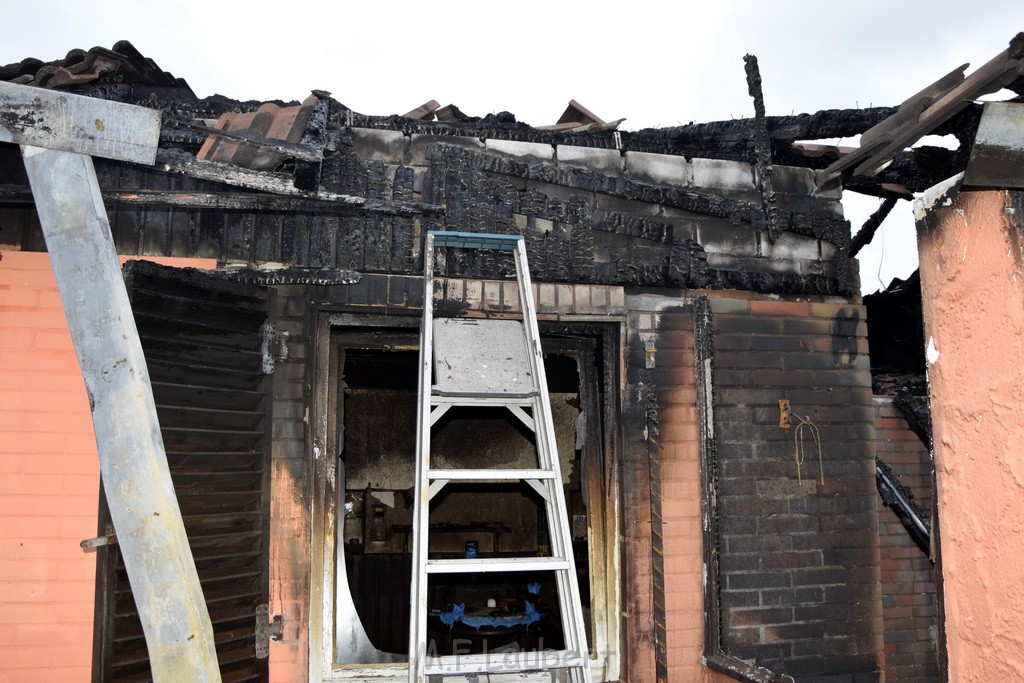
(374, 428)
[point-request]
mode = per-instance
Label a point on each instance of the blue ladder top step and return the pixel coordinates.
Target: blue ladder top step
(475, 240)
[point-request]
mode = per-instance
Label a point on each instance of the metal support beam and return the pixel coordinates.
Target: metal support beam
(133, 463)
(59, 120)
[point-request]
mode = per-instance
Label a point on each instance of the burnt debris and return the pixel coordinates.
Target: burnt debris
(334, 188)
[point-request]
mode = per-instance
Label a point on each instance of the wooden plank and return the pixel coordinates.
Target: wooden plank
(72, 123)
(877, 149)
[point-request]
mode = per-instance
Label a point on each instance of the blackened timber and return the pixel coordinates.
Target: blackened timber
(290, 276)
(238, 201)
(728, 140)
(818, 224)
(762, 150)
(653, 432)
(179, 161)
(871, 225)
(307, 174)
(900, 499)
(916, 411)
(291, 149)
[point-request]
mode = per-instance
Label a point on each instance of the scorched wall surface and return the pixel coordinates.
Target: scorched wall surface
(799, 555)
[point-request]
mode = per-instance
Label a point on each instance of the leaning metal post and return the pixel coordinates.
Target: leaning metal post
(58, 133)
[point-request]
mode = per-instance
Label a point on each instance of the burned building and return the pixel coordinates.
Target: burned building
(706, 354)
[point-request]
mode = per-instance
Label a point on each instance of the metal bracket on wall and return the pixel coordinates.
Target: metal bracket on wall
(784, 413)
(267, 348)
(262, 631)
(90, 545)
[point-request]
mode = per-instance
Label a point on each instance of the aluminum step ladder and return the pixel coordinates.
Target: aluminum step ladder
(483, 362)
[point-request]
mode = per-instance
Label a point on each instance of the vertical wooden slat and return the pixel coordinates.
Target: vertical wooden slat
(202, 339)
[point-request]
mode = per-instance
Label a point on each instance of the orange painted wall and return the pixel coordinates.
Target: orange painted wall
(49, 480)
(972, 277)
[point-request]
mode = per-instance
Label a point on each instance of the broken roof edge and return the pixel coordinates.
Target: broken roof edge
(717, 140)
(122, 63)
(940, 194)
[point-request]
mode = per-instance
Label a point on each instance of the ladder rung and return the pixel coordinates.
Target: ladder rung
(441, 400)
(489, 475)
(503, 661)
(518, 397)
(475, 240)
(497, 564)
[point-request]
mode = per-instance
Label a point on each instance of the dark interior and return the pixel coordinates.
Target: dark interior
(377, 423)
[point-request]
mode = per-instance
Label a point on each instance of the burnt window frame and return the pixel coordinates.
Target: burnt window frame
(608, 655)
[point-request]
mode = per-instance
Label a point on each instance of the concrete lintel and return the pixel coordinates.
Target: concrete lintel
(660, 168)
(607, 161)
(374, 144)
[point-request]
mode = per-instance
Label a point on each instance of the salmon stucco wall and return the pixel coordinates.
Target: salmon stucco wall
(49, 480)
(972, 280)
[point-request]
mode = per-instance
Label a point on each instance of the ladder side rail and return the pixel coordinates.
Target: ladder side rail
(421, 509)
(557, 510)
(567, 585)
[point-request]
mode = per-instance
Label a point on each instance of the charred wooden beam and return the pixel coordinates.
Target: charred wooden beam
(733, 139)
(238, 201)
(914, 170)
(306, 175)
(762, 150)
(649, 396)
(290, 276)
(917, 412)
(870, 227)
(178, 161)
(170, 131)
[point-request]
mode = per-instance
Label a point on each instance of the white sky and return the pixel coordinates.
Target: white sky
(654, 63)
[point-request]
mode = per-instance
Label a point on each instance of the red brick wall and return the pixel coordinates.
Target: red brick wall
(662, 324)
(49, 480)
(798, 559)
(908, 577)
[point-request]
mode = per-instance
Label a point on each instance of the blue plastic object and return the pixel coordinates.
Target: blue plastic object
(475, 240)
(529, 616)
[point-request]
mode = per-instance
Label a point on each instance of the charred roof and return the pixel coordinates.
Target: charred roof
(123, 73)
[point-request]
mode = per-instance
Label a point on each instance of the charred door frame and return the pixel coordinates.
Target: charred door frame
(605, 553)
